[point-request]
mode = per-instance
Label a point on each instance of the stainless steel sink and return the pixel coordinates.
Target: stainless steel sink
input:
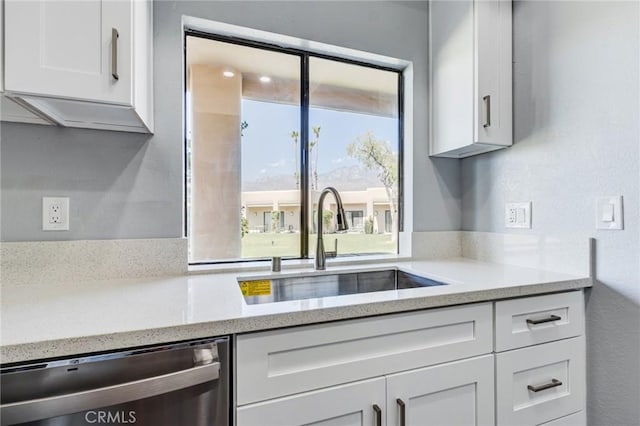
(312, 286)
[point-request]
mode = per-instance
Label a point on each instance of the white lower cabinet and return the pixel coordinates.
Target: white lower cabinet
(354, 404)
(454, 394)
(436, 367)
(540, 319)
(540, 383)
(277, 363)
(541, 380)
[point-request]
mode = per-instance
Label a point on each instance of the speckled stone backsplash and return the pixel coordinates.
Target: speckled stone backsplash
(63, 261)
(432, 245)
(570, 254)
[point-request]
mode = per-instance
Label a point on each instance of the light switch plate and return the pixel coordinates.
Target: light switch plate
(609, 213)
(55, 213)
(517, 215)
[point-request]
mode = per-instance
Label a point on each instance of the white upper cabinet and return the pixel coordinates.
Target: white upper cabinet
(64, 48)
(470, 77)
(82, 63)
(9, 110)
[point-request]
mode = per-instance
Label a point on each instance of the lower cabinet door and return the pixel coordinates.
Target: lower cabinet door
(453, 394)
(356, 404)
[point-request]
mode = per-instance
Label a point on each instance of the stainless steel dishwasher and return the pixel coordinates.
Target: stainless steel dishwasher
(177, 384)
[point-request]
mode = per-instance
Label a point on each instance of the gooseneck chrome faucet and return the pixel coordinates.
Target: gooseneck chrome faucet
(341, 225)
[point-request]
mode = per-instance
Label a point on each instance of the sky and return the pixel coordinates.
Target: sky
(268, 149)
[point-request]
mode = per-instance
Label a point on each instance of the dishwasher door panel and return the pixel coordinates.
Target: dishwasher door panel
(168, 385)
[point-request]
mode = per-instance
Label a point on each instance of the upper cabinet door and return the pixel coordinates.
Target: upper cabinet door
(69, 49)
(470, 94)
(493, 64)
(451, 83)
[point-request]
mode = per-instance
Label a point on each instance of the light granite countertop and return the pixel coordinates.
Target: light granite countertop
(44, 320)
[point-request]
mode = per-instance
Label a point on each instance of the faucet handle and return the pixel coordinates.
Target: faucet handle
(276, 264)
(333, 253)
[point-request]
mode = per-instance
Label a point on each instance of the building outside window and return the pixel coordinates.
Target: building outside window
(355, 219)
(254, 173)
(387, 221)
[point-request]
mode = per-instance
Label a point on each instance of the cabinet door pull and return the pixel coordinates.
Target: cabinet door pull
(550, 318)
(552, 384)
(403, 412)
(487, 108)
(114, 54)
(377, 411)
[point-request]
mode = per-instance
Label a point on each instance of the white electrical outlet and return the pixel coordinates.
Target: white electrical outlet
(517, 215)
(55, 213)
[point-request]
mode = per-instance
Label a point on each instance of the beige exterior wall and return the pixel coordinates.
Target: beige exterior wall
(379, 219)
(257, 203)
(215, 144)
(371, 201)
(291, 218)
(255, 219)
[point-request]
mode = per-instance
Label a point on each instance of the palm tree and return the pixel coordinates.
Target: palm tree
(294, 135)
(312, 145)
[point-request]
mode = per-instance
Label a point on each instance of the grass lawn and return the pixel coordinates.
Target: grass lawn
(288, 244)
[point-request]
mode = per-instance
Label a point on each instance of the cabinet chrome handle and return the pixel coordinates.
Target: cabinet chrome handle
(403, 412)
(377, 411)
(552, 384)
(487, 108)
(114, 54)
(550, 318)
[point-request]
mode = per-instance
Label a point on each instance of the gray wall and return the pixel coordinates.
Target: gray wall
(130, 186)
(576, 100)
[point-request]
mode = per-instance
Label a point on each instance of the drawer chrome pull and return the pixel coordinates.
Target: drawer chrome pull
(550, 318)
(552, 384)
(403, 412)
(378, 413)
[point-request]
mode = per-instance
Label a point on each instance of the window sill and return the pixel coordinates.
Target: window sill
(265, 265)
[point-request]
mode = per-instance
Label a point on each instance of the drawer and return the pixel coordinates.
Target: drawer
(575, 419)
(541, 383)
(283, 362)
(533, 320)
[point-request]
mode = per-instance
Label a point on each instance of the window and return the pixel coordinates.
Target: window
(387, 221)
(355, 219)
(267, 128)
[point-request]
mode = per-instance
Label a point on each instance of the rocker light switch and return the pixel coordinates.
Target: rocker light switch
(609, 213)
